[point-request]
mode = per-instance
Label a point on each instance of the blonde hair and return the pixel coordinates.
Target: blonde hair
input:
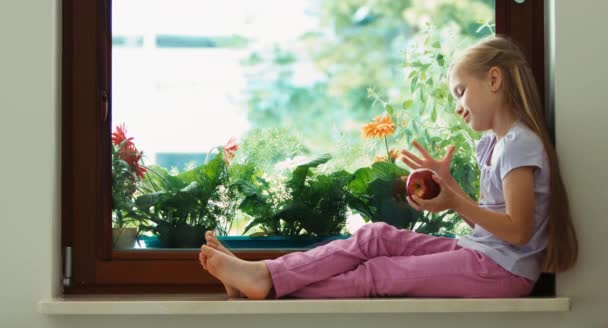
(522, 95)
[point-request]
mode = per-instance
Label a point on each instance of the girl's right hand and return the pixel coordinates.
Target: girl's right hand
(441, 166)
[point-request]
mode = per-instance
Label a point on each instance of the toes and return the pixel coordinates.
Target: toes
(207, 251)
(209, 235)
(203, 260)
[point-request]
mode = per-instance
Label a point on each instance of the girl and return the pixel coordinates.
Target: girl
(521, 222)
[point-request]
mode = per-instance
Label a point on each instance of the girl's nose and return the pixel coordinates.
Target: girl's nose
(459, 109)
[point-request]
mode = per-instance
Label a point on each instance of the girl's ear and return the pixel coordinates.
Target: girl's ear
(496, 77)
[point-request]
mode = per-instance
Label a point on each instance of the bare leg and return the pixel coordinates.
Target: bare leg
(251, 278)
(215, 244)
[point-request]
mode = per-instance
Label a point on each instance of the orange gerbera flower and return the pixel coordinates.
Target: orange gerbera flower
(381, 127)
(379, 158)
(394, 153)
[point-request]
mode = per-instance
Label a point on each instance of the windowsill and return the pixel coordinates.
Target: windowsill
(218, 304)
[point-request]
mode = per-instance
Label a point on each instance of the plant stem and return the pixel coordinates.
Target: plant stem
(208, 153)
(119, 219)
(388, 153)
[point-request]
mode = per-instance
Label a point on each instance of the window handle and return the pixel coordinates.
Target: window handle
(105, 104)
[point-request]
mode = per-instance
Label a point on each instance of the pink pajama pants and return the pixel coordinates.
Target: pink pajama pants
(381, 260)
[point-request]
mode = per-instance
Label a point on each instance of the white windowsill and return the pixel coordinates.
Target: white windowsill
(218, 304)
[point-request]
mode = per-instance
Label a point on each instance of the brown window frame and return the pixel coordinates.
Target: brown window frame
(86, 176)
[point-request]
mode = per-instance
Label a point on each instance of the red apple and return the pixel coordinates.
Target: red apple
(420, 183)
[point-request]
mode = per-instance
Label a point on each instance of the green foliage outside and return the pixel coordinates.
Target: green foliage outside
(376, 58)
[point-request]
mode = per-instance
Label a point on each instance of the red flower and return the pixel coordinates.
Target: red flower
(229, 149)
(128, 152)
(120, 135)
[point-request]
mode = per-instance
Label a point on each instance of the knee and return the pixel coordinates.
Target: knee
(374, 226)
(374, 229)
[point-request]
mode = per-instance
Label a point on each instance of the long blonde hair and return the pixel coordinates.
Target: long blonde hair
(521, 93)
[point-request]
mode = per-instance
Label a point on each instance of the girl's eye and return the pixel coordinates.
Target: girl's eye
(461, 93)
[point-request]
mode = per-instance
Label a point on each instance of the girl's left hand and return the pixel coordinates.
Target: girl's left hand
(446, 199)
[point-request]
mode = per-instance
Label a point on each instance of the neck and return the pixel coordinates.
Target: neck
(503, 121)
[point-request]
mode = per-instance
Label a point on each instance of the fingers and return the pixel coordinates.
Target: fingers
(419, 201)
(448, 156)
(411, 157)
(409, 163)
(422, 151)
(413, 204)
(438, 179)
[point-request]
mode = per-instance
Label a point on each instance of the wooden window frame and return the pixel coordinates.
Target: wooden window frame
(86, 172)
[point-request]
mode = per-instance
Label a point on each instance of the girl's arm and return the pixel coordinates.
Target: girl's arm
(514, 226)
(454, 184)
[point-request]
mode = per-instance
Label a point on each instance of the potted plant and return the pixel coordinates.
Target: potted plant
(127, 171)
(178, 209)
(306, 208)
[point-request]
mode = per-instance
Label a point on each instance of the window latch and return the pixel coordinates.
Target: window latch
(105, 104)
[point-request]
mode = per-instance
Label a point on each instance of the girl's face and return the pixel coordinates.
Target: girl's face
(476, 98)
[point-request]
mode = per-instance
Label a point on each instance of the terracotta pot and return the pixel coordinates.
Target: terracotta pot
(123, 238)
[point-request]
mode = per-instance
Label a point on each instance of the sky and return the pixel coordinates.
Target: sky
(191, 100)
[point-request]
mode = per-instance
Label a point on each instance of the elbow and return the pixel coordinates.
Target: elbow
(521, 231)
(521, 239)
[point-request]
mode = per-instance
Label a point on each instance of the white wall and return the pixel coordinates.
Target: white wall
(29, 139)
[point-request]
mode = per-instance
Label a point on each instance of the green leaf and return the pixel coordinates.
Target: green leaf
(316, 162)
(361, 178)
(414, 84)
(386, 171)
(361, 206)
(298, 211)
(412, 74)
(389, 109)
(298, 176)
(408, 103)
(246, 187)
(440, 60)
(252, 224)
(146, 201)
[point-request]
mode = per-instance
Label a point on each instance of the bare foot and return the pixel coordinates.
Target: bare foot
(215, 244)
(251, 278)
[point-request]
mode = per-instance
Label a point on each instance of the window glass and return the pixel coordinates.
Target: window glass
(269, 121)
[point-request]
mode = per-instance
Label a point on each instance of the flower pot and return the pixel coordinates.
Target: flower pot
(259, 243)
(276, 242)
(180, 235)
(123, 238)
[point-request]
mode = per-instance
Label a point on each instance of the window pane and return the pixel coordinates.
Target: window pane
(247, 116)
